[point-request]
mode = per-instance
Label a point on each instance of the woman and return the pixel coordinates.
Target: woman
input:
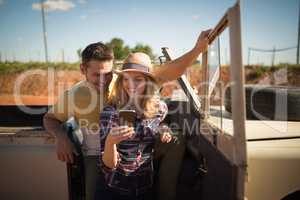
(127, 152)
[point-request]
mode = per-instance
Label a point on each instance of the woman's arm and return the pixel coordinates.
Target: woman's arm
(110, 155)
(174, 69)
(115, 136)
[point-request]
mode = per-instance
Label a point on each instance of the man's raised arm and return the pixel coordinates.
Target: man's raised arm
(174, 69)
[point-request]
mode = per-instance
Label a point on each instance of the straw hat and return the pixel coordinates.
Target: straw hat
(137, 62)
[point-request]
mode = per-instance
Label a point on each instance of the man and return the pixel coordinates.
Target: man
(86, 99)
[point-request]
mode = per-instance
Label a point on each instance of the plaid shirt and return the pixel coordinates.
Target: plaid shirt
(133, 174)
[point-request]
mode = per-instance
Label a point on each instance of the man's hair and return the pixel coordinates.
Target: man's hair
(97, 51)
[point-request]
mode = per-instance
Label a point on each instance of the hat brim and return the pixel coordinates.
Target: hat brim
(150, 75)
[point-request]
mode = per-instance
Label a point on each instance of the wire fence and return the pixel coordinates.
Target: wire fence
(273, 53)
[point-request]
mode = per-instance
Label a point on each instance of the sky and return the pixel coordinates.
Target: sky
(73, 24)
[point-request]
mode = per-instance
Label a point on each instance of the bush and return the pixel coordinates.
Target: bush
(16, 67)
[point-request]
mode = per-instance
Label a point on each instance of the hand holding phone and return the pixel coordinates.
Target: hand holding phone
(118, 134)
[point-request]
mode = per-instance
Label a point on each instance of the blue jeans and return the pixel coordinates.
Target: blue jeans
(104, 192)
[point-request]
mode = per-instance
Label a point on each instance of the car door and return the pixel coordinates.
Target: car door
(214, 163)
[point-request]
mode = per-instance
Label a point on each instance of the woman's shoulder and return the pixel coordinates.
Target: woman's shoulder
(162, 109)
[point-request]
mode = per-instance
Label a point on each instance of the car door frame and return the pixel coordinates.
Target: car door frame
(232, 21)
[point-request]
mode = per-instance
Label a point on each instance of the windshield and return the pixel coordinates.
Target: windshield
(220, 98)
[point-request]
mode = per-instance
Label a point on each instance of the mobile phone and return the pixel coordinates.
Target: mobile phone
(127, 117)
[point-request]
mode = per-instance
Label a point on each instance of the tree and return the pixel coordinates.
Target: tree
(120, 51)
(79, 53)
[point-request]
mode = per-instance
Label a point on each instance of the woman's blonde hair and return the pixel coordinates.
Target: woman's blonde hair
(149, 102)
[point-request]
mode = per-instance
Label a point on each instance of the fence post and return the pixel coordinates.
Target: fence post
(249, 53)
(273, 56)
